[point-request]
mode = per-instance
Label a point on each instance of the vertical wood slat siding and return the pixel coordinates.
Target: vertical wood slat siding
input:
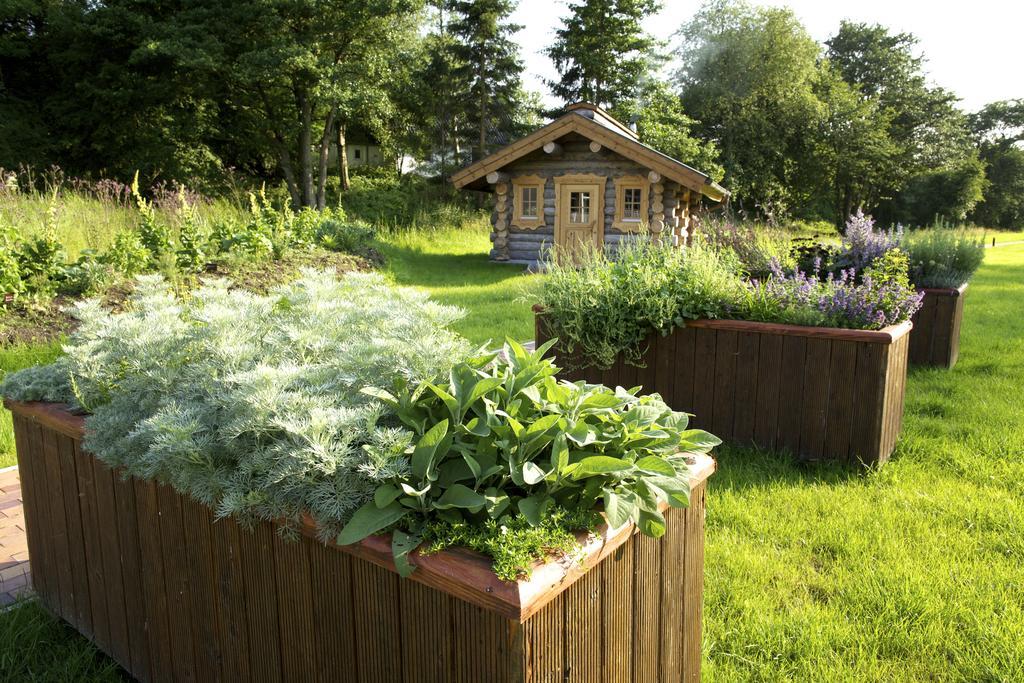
(42, 579)
(258, 581)
(132, 571)
(93, 554)
(110, 551)
(34, 526)
(816, 396)
(61, 578)
(935, 339)
(190, 598)
(76, 540)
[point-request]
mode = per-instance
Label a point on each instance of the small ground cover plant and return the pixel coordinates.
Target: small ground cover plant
(503, 446)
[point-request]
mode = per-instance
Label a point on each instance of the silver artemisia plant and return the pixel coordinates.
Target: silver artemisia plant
(252, 404)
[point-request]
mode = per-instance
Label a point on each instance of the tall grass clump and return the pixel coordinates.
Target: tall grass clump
(251, 404)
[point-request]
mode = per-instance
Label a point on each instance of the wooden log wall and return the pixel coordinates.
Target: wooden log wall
(935, 339)
(173, 595)
(575, 156)
(820, 394)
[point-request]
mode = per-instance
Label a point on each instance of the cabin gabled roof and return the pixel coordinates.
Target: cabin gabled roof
(595, 124)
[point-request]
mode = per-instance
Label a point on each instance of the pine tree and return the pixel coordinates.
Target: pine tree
(602, 51)
(488, 64)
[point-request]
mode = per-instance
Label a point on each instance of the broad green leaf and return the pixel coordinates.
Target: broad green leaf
(401, 545)
(473, 465)
(370, 519)
(477, 427)
(559, 454)
(453, 470)
(535, 507)
(601, 400)
(497, 502)
(532, 392)
(539, 352)
(385, 495)
(655, 465)
(676, 421)
(380, 394)
(482, 387)
(698, 440)
(449, 401)
(581, 434)
(426, 452)
(532, 474)
(617, 509)
(412, 491)
(601, 464)
(651, 523)
(541, 426)
(459, 496)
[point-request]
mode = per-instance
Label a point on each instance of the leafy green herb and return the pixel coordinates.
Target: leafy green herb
(504, 438)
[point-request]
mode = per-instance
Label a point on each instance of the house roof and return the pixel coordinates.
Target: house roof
(593, 123)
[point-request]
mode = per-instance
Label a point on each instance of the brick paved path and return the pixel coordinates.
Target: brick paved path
(14, 571)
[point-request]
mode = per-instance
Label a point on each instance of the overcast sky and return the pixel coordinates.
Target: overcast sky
(975, 49)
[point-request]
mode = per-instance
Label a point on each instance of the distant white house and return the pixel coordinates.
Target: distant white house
(363, 149)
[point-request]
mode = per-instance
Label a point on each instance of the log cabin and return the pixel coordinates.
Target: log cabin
(585, 181)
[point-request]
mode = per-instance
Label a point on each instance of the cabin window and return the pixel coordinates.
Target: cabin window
(357, 153)
(579, 207)
(630, 203)
(526, 203)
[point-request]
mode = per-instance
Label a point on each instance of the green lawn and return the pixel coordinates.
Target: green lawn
(912, 572)
(453, 266)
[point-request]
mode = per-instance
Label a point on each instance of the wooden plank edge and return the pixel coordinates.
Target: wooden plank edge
(458, 571)
(467, 575)
(886, 335)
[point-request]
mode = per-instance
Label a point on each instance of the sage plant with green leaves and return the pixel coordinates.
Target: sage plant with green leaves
(504, 437)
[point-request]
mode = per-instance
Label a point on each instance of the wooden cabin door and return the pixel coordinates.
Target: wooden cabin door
(580, 213)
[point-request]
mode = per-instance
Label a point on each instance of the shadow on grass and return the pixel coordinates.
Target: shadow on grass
(745, 467)
(411, 266)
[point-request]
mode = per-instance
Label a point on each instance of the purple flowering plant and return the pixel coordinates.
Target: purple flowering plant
(880, 297)
(863, 244)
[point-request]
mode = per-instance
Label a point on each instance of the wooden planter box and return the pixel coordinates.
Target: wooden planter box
(821, 393)
(936, 336)
(172, 595)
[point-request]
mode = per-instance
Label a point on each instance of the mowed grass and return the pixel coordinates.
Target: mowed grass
(453, 266)
(911, 572)
(813, 573)
(15, 358)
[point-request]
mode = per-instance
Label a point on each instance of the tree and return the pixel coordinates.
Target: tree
(748, 75)
(933, 169)
(999, 131)
(662, 124)
(602, 52)
(488, 65)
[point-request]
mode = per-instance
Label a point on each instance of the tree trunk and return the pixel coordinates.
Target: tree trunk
(325, 148)
(306, 146)
(284, 157)
(482, 152)
(343, 158)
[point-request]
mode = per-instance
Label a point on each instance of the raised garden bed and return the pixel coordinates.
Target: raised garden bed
(171, 594)
(936, 336)
(821, 393)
